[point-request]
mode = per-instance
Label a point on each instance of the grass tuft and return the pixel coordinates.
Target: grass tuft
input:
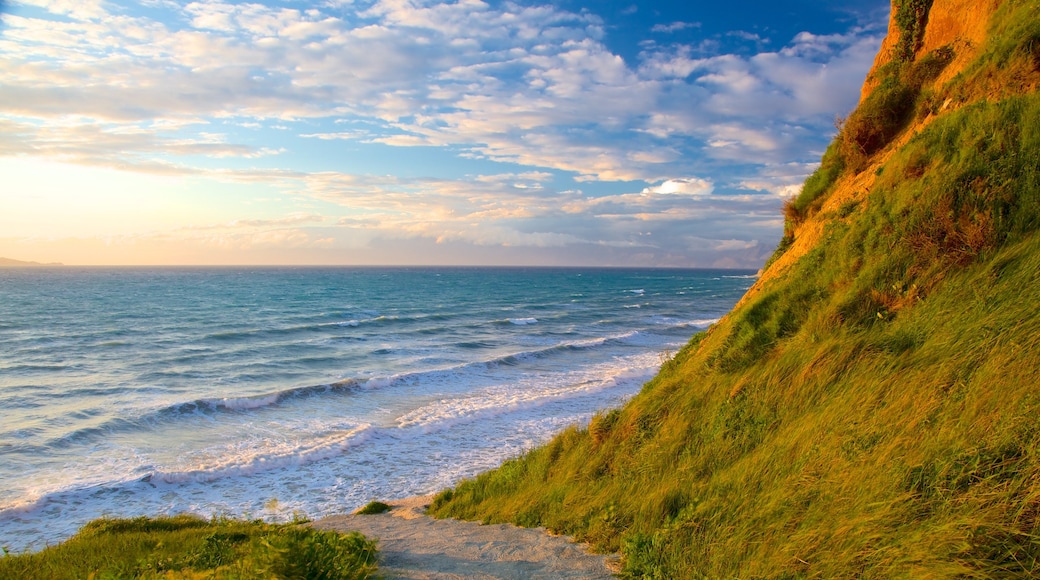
(374, 507)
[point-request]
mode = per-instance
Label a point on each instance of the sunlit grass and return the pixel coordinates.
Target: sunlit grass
(374, 507)
(190, 547)
(871, 414)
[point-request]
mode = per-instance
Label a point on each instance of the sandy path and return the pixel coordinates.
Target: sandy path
(414, 546)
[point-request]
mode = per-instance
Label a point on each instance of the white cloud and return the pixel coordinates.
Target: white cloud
(535, 87)
(296, 218)
(460, 73)
(687, 186)
(346, 135)
(674, 26)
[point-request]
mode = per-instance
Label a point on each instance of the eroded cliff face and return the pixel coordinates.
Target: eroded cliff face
(957, 24)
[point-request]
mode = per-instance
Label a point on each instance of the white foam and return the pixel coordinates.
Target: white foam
(503, 399)
(243, 403)
(522, 321)
(380, 382)
(638, 292)
(701, 322)
(677, 323)
(250, 457)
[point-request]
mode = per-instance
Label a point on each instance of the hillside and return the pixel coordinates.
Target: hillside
(870, 408)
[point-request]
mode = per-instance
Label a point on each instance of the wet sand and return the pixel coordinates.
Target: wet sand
(414, 546)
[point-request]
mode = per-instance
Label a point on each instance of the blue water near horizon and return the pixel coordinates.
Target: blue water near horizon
(269, 392)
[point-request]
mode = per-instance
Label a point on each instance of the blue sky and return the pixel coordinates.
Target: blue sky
(417, 131)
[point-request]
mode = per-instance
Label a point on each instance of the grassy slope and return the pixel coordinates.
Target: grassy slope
(870, 412)
(188, 547)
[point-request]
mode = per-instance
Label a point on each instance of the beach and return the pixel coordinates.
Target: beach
(414, 546)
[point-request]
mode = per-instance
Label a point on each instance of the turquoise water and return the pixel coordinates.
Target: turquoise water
(262, 392)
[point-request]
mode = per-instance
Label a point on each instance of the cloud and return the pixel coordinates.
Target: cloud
(530, 97)
(296, 218)
(509, 85)
(748, 36)
(674, 27)
(689, 186)
(345, 135)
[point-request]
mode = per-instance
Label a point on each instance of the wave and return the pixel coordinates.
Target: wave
(522, 321)
(241, 461)
(475, 344)
(743, 277)
(204, 406)
(213, 406)
(676, 323)
(272, 456)
(31, 368)
(377, 320)
(258, 401)
(501, 400)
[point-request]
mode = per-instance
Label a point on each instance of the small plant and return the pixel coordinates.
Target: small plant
(373, 508)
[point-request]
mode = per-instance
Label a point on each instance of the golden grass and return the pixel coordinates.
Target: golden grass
(868, 410)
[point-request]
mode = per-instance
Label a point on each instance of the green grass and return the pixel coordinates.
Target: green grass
(375, 507)
(189, 547)
(870, 414)
(911, 18)
(1009, 60)
(818, 184)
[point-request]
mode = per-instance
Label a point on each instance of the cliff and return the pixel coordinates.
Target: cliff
(869, 408)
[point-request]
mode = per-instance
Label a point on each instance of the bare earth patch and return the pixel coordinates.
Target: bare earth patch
(415, 546)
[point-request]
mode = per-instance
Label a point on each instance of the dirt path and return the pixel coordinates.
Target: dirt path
(414, 546)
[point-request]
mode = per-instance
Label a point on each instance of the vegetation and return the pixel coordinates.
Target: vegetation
(817, 185)
(911, 17)
(375, 507)
(870, 413)
(189, 547)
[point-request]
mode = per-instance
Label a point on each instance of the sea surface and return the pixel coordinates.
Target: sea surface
(274, 392)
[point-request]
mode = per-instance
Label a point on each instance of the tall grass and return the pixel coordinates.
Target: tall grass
(870, 414)
(189, 547)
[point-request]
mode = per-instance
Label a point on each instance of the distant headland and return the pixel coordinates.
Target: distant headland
(10, 263)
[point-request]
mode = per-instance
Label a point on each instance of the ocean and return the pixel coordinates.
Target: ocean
(275, 393)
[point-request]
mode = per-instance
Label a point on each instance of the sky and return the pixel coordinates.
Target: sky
(417, 132)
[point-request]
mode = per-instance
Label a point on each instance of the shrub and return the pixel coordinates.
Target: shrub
(877, 121)
(375, 507)
(929, 67)
(911, 18)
